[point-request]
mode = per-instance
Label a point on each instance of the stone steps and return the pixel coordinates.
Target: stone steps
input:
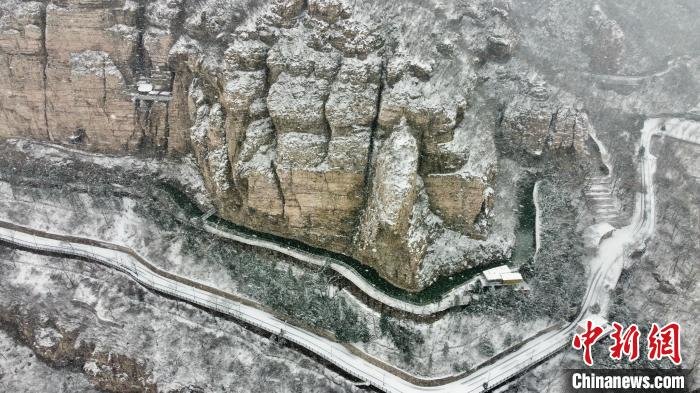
(599, 190)
(600, 196)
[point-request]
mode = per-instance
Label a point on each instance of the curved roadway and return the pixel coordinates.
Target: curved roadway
(605, 267)
(456, 296)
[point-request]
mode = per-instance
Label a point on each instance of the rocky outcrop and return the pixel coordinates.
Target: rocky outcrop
(569, 130)
(459, 213)
(534, 127)
(386, 220)
(338, 124)
(606, 43)
(501, 44)
(60, 347)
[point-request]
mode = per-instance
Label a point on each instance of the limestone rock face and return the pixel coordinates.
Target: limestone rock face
(384, 226)
(461, 212)
(296, 104)
(346, 125)
(356, 86)
(501, 44)
(569, 129)
(93, 87)
(88, 50)
(79, 61)
(535, 126)
(21, 73)
(208, 140)
(526, 126)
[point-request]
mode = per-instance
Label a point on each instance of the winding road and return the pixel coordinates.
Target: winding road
(457, 296)
(605, 270)
(637, 80)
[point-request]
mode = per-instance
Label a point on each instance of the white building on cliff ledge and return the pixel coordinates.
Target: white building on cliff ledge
(502, 276)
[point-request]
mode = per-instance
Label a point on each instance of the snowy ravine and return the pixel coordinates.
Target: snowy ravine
(605, 268)
(185, 173)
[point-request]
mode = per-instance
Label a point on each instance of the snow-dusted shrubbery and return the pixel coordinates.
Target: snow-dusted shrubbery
(556, 276)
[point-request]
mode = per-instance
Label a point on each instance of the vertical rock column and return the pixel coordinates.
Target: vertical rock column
(322, 105)
(384, 226)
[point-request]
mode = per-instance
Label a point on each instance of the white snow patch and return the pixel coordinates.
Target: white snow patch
(85, 294)
(593, 235)
(91, 368)
(47, 337)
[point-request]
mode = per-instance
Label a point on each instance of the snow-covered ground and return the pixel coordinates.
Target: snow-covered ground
(681, 129)
(596, 232)
(178, 346)
(538, 216)
(660, 286)
(126, 220)
(606, 267)
(185, 174)
(183, 171)
(121, 222)
(21, 371)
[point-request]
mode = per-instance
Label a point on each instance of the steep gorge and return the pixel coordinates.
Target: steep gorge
(313, 120)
